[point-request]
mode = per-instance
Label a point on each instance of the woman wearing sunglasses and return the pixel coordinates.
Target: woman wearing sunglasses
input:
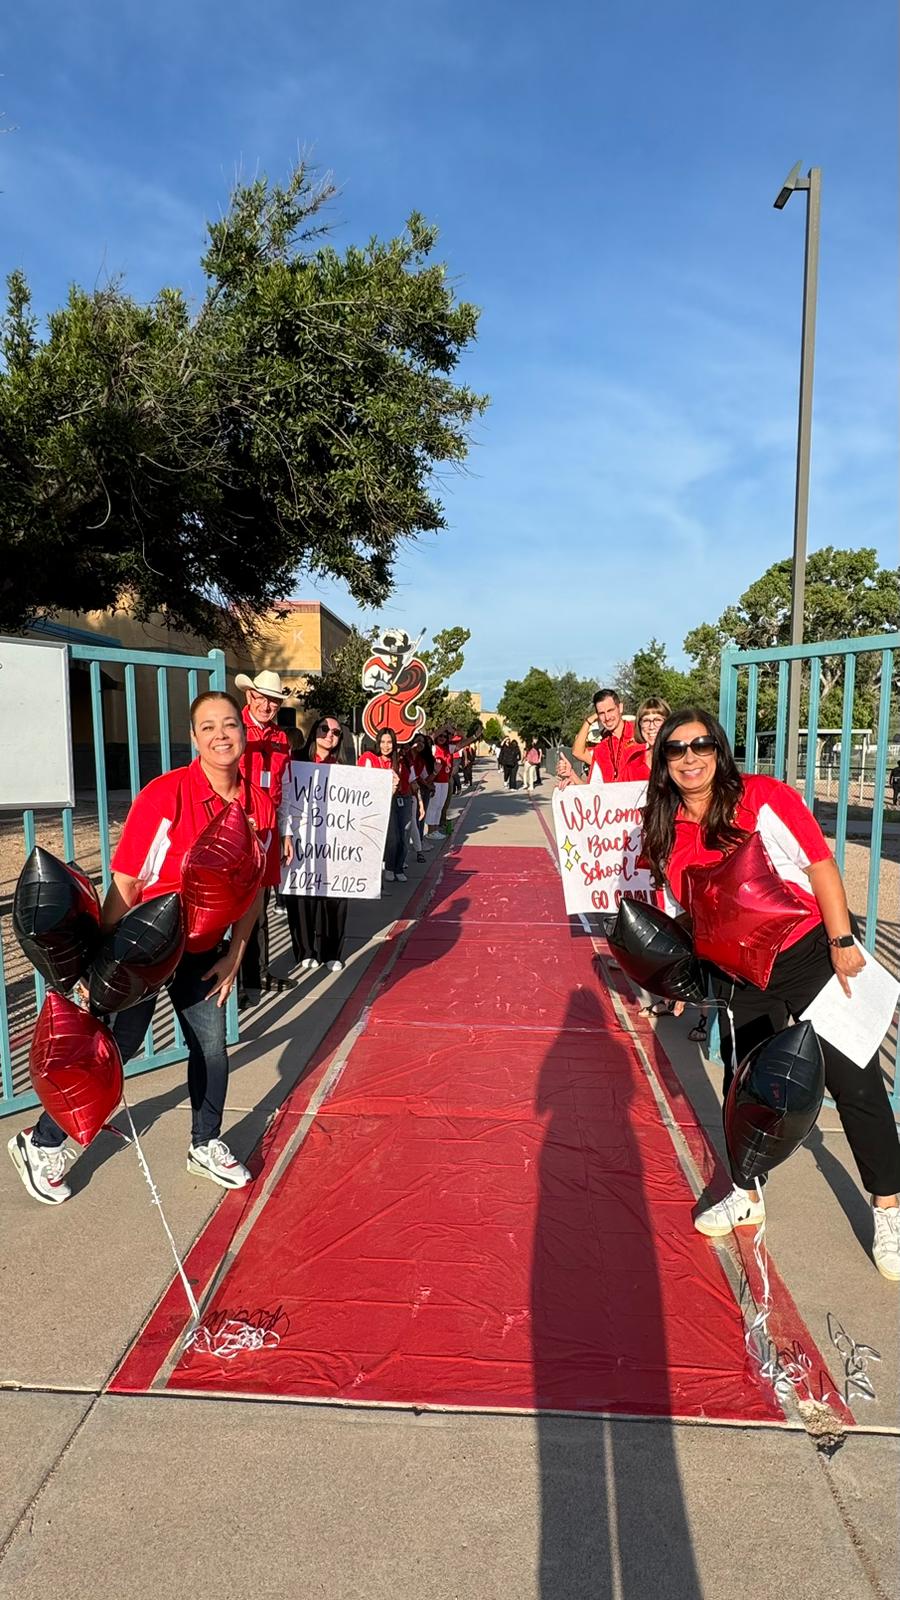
(317, 922)
(700, 809)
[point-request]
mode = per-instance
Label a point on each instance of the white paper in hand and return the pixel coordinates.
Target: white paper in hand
(856, 1026)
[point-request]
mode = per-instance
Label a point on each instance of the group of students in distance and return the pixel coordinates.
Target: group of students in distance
(240, 753)
(699, 808)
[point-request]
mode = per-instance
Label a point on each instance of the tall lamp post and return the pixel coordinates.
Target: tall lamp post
(812, 183)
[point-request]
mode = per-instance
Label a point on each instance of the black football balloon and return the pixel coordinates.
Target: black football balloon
(138, 956)
(774, 1100)
(56, 918)
(656, 952)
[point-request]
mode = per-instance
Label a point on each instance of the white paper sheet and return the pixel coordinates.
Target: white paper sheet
(856, 1026)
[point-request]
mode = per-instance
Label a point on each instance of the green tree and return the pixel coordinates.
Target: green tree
(493, 730)
(532, 706)
(193, 465)
(847, 596)
(443, 660)
(649, 672)
(574, 696)
(339, 691)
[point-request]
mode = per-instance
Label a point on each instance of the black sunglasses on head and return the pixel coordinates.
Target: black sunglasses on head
(704, 746)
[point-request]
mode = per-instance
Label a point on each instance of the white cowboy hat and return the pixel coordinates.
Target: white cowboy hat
(268, 683)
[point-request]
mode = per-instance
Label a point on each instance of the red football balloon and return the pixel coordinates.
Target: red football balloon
(221, 875)
(742, 912)
(75, 1067)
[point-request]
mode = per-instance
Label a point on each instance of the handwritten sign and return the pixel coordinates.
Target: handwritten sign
(337, 818)
(599, 836)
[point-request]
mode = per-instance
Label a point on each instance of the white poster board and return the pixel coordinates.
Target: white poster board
(337, 817)
(599, 833)
(35, 726)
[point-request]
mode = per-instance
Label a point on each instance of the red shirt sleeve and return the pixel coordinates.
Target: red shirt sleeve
(148, 809)
(792, 810)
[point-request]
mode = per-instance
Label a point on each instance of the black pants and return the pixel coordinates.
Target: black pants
(255, 963)
(509, 774)
(317, 925)
(859, 1093)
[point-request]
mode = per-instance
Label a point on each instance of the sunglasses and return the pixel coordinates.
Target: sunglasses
(335, 732)
(704, 746)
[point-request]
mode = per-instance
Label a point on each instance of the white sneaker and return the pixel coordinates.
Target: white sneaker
(214, 1160)
(42, 1168)
(389, 877)
(335, 966)
(401, 877)
(737, 1210)
(886, 1244)
(310, 964)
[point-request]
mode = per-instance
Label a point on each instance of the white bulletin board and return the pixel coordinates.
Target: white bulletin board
(35, 726)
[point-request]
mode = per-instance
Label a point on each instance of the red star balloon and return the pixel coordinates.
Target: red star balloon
(221, 876)
(742, 912)
(76, 1068)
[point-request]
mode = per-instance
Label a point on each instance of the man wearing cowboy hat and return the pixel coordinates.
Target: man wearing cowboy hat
(264, 763)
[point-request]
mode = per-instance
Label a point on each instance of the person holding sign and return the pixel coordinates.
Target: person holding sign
(616, 754)
(165, 819)
(387, 756)
(318, 923)
(700, 811)
(266, 758)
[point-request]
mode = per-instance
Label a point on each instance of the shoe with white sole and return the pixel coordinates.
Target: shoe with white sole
(214, 1160)
(886, 1244)
(737, 1210)
(335, 966)
(401, 877)
(389, 877)
(310, 964)
(42, 1168)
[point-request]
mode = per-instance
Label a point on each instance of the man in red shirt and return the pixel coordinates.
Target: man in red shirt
(615, 756)
(264, 763)
(165, 819)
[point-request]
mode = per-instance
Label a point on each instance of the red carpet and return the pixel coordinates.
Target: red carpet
(488, 1210)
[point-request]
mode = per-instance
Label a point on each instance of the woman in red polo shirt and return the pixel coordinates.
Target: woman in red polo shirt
(700, 809)
(388, 757)
(163, 822)
(318, 922)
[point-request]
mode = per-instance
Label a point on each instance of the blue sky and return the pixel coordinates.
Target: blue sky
(603, 178)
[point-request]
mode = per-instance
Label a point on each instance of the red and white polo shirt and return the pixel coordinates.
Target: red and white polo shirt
(266, 757)
(167, 816)
(792, 837)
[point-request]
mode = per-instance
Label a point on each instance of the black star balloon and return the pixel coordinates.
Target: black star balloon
(138, 956)
(56, 918)
(656, 952)
(774, 1100)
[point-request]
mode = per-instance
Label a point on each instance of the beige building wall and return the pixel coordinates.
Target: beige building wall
(298, 643)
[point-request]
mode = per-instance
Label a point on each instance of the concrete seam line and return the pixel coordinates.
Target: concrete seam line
(853, 1534)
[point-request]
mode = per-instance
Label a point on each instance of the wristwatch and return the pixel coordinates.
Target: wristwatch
(845, 941)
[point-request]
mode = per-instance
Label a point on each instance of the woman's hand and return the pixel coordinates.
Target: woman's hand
(848, 963)
(565, 770)
(223, 974)
(287, 849)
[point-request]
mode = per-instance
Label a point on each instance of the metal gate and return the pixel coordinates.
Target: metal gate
(129, 723)
(849, 791)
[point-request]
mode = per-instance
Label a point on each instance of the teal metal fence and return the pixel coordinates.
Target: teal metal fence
(130, 722)
(868, 857)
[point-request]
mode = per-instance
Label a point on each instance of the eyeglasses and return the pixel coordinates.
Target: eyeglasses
(334, 732)
(704, 746)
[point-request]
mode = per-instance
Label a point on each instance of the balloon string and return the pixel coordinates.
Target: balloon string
(154, 1193)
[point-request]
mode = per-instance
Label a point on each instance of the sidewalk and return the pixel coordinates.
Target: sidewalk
(166, 1493)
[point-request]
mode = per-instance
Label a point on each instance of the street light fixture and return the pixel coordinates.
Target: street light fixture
(812, 184)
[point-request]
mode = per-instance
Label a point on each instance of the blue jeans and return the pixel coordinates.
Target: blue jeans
(395, 847)
(203, 1025)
